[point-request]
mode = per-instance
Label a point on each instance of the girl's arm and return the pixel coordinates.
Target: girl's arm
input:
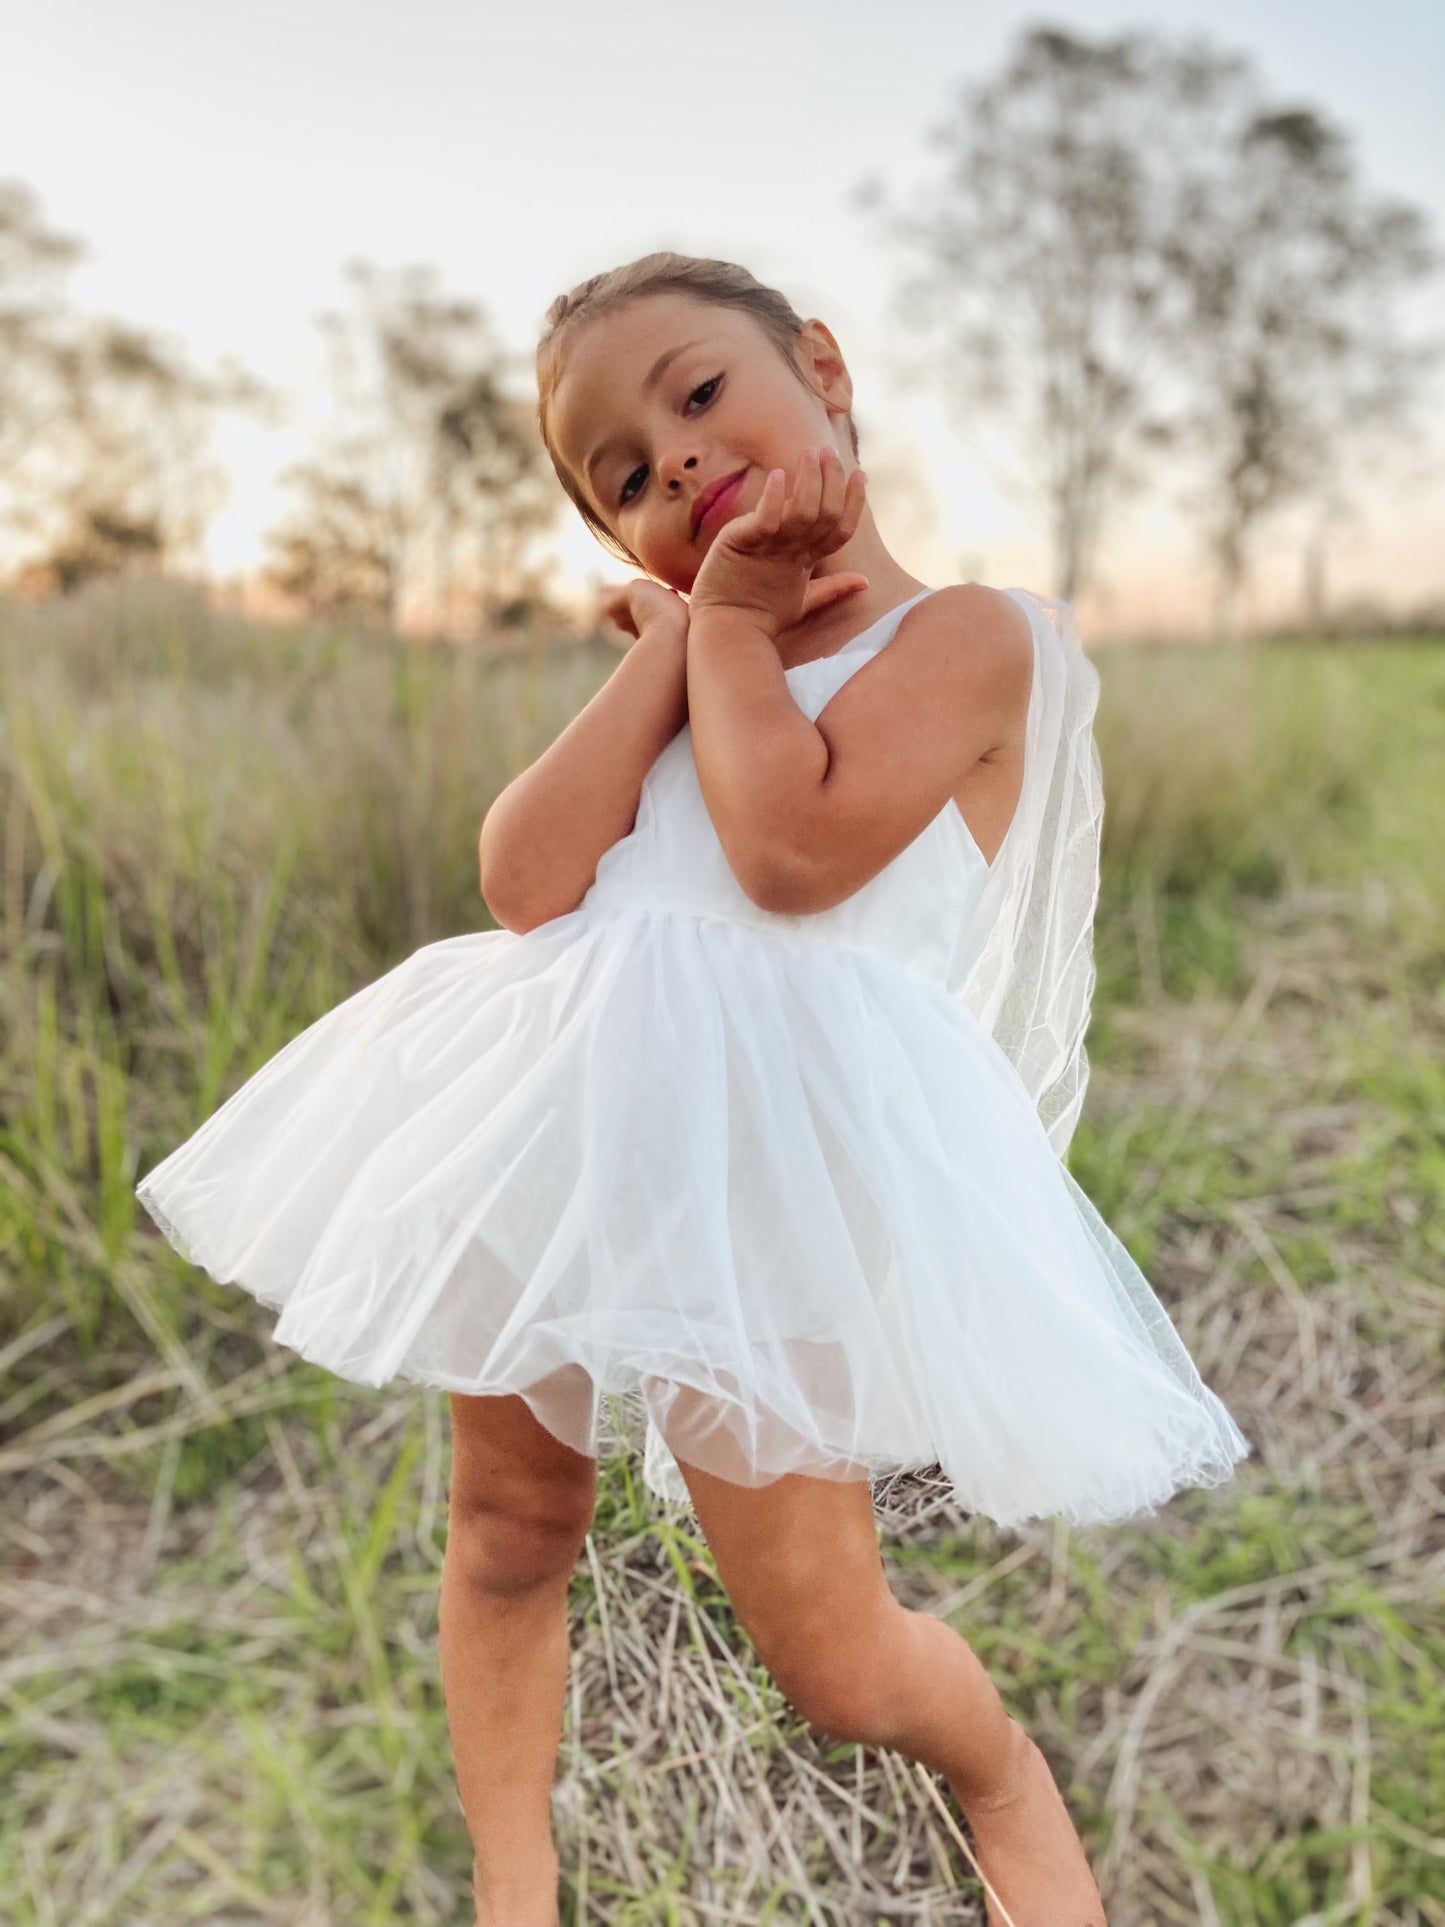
(808, 812)
(545, 833)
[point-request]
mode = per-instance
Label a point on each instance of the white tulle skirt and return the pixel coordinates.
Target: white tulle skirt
(782, 1195)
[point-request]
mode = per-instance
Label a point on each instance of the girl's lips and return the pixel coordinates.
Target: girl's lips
(718, 506)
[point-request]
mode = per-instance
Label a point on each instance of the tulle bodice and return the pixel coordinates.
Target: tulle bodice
(911, 912)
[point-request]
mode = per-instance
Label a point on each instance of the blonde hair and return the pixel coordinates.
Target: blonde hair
(723, 283)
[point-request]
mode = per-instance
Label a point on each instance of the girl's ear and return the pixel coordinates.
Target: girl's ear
(830, 377)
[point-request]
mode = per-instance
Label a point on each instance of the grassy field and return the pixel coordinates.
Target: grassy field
(219, 1692)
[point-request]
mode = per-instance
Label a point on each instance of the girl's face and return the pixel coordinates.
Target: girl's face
(665, 397)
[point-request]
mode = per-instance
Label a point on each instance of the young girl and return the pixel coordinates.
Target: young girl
(754, 1111)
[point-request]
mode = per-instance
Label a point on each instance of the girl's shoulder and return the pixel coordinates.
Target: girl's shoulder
(973, 640)
(977, 613)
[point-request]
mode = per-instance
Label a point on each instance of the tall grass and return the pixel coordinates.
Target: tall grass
(220, 1565)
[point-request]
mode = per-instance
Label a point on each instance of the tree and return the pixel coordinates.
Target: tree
(1133, 253)
(499, 494)
(104, 427)
(334, 550)
(1293, 356)
(428, 482)
(1044, 260)
(34, 260)
(124, 480)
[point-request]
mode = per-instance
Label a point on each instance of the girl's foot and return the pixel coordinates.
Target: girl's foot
(1027, 1846)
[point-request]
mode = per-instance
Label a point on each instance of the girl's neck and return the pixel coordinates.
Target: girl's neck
(832, 628)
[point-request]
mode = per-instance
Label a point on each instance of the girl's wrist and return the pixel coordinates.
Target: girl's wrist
(665, 639)
(664, 645)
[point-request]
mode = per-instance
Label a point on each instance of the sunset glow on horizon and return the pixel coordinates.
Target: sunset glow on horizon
(221, 169)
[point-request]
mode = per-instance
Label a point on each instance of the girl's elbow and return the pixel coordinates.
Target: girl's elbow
(516, 908)
(489, 881)
(520, 900)
(768, 893)
(783, 861)
(504, 872)
(519, 916)
(794, 883)
(504, 894)
(775, 880)
(504, 912)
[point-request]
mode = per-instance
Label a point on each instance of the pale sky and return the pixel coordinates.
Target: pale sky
(222, 162)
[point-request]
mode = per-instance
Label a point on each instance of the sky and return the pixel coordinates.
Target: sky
(221, 163)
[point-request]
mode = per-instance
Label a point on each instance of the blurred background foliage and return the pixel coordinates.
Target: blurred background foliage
(1151, 273)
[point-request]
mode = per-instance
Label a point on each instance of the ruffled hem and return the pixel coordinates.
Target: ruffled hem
(786, 1201)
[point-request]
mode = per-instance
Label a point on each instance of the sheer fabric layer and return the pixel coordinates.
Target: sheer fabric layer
(625, 1154)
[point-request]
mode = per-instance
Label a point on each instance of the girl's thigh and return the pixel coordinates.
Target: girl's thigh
(799, 1558)
(504, 1460)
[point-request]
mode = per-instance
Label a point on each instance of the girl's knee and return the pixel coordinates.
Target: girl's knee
(844, 1704)
(847, 1684)
(509, 1550)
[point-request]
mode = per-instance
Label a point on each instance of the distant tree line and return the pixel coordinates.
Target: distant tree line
(1145, 268)
(421, 500)
(1141, 265)
(103, 425)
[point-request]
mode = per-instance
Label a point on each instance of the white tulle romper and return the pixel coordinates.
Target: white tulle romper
(768, 1177)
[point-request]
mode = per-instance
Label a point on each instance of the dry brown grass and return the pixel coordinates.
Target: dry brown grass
(219, 1694)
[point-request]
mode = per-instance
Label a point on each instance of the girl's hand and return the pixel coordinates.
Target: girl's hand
(762, 563)
(643, 604)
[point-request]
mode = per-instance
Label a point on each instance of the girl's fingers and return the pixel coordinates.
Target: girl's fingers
(790, 522)
(818, 472)
(618, 611)
(834, 483)
(841, 505)
(809, 501)
(821, 502)
(844, 512)
(849, 494)
(854, 499)
(773, 500)
(821, 498)
(824, 589)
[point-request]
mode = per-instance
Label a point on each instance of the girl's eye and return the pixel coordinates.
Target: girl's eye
(625, 498)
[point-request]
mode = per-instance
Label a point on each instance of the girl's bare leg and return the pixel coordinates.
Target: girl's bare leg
(800, 1562)
(951, 1719)
(504, 1676)
(519, 1507)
